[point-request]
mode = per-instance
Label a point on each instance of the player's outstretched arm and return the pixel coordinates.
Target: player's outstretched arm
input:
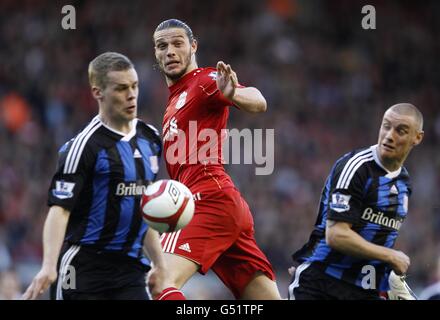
(341, 237)
(249, 99)
(53, 237)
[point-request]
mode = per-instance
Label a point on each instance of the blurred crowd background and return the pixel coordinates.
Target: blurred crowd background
(326, 79)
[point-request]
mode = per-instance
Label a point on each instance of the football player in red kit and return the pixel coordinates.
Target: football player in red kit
(221, 234)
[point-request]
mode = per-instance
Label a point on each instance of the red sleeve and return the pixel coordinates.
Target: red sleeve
(208, 85)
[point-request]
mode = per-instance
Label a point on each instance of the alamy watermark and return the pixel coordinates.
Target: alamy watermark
(68, 278)
(69, 20)
(369, 20)
(208, 146)
(369, 278)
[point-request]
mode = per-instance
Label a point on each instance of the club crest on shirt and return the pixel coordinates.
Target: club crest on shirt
(181, 101)
(340, 202)
(213, 75)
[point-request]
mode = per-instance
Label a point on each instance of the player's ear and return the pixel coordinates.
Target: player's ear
(418, 138)
(97, 93)
(194, 47)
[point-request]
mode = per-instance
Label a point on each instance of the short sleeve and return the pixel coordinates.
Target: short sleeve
(346, 192)
(74, 167)
(208, 84)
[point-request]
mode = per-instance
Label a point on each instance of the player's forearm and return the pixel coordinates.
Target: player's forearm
(351, 243)
(249, 99)
(53, 235)
(153, 248)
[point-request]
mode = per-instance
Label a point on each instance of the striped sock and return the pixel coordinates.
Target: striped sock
(171, 294)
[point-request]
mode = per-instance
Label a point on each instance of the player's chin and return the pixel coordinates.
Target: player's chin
(387, 153)
(174, 74)
(128, 116)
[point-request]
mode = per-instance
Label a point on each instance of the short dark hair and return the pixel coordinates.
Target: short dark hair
(410, 110)
(103, 64)
(175, 23)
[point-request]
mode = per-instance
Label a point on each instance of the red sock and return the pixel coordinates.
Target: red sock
(171, 294)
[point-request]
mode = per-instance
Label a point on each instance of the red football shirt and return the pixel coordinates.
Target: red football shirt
(193, 129)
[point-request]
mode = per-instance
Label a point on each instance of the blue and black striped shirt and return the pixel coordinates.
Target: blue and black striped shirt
(360, 191)
(100, 179)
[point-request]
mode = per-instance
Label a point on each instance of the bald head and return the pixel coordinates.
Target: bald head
(407, 109)
(401, 130)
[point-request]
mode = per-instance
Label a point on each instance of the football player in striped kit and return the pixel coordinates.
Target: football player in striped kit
(94, 236)
(364, 201)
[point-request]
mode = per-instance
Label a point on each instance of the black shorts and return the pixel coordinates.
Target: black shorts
(311, 283)
(92, 275)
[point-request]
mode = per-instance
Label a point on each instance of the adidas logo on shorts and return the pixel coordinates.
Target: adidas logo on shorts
(185, 247)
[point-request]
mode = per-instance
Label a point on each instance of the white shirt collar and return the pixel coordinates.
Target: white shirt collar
(125, 137)
(390, 174)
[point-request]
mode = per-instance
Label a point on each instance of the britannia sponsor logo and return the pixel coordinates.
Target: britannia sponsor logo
(130, 189)
(379, 218)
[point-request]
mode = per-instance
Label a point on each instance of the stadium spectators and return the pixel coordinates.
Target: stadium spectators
(318, 69)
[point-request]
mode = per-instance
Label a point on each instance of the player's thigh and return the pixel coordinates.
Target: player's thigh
(68, 265)
(308, 284)
(211, 232)
(261, 288)
(342, 290)
(250, 265)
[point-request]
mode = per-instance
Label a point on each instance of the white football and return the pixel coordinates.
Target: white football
(167, 205)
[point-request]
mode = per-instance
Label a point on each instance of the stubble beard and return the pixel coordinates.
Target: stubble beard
(177, 76)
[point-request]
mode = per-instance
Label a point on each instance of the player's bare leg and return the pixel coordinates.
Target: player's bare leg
(261, 288)
(180, 269)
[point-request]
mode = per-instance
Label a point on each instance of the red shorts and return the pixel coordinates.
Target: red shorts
(221, 237)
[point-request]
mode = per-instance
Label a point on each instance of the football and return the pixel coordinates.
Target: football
(167, 205)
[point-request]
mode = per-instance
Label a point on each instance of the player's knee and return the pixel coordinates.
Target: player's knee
(261, 287)
(180, 270)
